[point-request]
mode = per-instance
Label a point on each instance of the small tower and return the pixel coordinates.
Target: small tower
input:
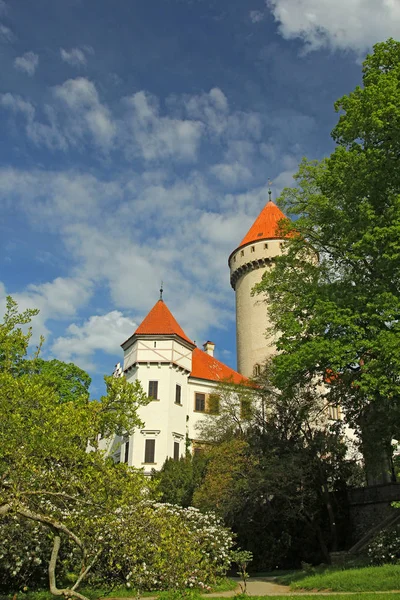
(247, 263)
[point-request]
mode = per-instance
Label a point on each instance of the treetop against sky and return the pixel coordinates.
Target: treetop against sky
(137, 141)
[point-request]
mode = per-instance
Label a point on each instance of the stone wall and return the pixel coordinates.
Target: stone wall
(368, 506)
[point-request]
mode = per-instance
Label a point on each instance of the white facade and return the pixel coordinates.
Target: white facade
(163, 364)
(247, 265)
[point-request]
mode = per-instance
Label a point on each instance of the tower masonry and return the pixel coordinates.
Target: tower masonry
(254, 255)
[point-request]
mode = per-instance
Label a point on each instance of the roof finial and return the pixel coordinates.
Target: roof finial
(269, 190)
(161, 291)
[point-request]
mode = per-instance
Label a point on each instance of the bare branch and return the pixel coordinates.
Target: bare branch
(67, 593)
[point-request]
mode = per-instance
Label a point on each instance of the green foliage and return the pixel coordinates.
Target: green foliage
(69, 381)
(242, 558)
(385, 547)
(177, 480)
(232, 407)
(51, 487)
(164, 547)
(68, 510)
(279, 484)
(339, 314)
(13, 341)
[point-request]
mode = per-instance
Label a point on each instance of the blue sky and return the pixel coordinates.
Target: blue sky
(137, 138)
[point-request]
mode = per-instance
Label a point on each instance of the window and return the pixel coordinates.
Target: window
(252, 249)
(245, 409)
(155, 344)
(242, 253)
(178, 391)
(126, 456)
(176, 450)
(200, 402)
(213, 404)
(266, 246)
(334, 412)
(234, 259)
(153, 390)
(256, 370)
(149, 451)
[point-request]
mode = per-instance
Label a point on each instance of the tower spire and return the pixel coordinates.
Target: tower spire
(269, 190)
(161, 291)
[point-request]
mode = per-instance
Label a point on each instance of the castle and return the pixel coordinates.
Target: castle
(178, 376)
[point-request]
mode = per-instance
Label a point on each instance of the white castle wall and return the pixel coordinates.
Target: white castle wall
(247, 265)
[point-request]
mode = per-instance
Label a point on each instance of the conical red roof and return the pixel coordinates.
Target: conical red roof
(160, 321)
(266, 225)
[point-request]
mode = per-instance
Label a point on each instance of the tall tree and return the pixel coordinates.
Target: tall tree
(334, 295)
(47, 474)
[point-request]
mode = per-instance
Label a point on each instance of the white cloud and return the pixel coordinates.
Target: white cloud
(256, 16)
(27, 63)
(57, 299)
(143, 226)
(76, 57)
(84, 112)
(99, 332)
(6, 35)
(156, 136)
(232, 175)
(339, 24)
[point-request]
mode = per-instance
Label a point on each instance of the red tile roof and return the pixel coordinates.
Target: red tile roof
(207, 367)
(265, 226)
(160, 321)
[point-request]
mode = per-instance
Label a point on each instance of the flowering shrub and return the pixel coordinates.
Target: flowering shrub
(385, 547)
(163, 546)
(146, 546)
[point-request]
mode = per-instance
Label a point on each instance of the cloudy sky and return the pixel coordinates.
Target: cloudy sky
(137, 138)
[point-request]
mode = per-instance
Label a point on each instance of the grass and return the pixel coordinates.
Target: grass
(360, 596)
(336, 579)
(224, 585)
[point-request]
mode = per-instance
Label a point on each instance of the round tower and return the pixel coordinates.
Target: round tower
(247, 263)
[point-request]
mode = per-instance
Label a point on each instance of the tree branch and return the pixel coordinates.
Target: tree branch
(67, 593)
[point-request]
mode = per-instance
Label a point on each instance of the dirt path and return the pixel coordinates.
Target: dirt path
(257, 586)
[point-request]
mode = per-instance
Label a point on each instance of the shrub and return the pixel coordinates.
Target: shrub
(385, 547)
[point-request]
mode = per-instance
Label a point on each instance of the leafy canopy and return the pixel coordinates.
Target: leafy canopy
(334, 295)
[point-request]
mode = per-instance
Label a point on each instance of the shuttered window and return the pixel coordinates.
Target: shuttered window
(200, 402)
(176, 450)
(178, 394)
(153, 390)
(149, 451)
(126, 457)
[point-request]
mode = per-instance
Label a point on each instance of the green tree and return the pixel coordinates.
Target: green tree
(286, 467)
(334, 295)
(177, 480)
(232, 412)
(47, 474)
(68, 380)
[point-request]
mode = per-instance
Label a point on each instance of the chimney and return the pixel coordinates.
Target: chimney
(209, 348)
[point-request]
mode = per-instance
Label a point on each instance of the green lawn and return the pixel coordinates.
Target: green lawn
(224, 585)
(362, 579)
